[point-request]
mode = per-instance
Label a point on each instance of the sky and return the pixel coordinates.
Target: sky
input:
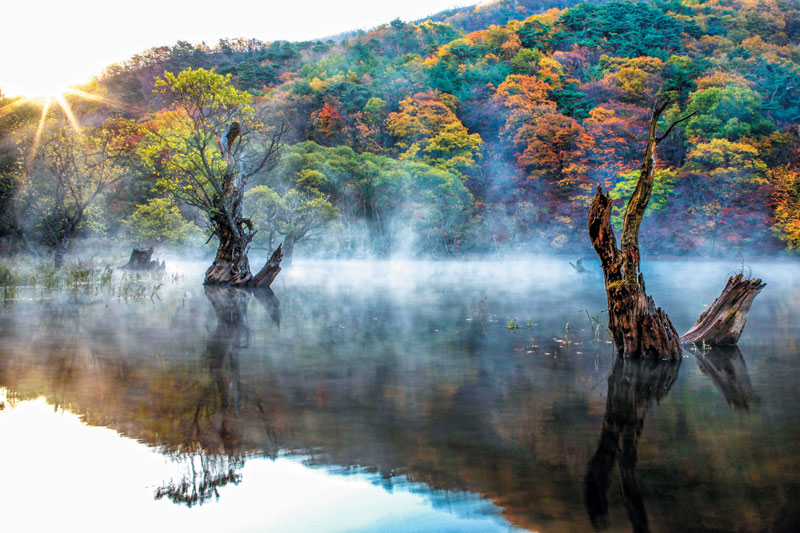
(48, 45)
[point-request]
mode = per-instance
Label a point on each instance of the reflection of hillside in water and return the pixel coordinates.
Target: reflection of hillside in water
(404, 386)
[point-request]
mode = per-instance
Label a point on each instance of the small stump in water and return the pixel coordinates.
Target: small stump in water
(723, 322)
(140, 260)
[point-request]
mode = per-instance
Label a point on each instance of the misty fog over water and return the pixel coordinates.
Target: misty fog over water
(398, 396)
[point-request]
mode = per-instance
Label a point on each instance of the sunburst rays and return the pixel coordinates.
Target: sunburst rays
(110, 102)
(73, 121)
(13, 105)
(62, 102)
(38, 134)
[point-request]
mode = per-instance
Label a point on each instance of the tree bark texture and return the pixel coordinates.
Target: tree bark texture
(639, 328)
(269, 271)
(231, 266)
(723, 322)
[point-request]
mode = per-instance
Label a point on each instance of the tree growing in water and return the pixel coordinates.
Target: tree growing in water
(205, 146)
(639, 328)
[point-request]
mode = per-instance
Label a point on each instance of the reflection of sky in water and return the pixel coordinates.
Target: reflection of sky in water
(59, 472)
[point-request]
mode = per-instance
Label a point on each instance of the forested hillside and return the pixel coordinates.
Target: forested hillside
(479, 130)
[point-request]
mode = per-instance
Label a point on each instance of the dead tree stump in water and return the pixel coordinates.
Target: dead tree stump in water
(140, 260)
(723, 322)
(269, 271)
(639, 328)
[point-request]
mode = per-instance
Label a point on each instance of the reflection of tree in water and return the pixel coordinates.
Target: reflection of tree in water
(632, 388)
(204, 473)
(725, 366)
(218, 414)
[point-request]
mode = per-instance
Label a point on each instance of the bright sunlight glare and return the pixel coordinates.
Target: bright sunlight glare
(42, 88)
(49, 46)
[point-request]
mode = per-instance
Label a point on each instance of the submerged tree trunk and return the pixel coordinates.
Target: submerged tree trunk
(231, 267)
(723, 322)
(269, 271)
(640, 329)
(141, 260)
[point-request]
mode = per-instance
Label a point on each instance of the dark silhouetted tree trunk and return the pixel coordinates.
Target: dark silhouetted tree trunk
(269, 271)
(632, 388)
(723, 322)
(640, 329)
(231, 266)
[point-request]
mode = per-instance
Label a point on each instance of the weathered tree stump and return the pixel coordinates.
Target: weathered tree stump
(723, 322)
(140, 260)
(639, 328)
(218, 274)
(269, 271)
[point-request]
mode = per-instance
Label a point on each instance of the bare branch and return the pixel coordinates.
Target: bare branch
(687, 117)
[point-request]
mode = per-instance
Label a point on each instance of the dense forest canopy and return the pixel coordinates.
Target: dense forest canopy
(479, 129)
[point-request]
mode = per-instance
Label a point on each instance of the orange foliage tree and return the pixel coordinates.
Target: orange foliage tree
(786, 205)
(426, 128)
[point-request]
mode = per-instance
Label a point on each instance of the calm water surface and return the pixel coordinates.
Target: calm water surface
(397, 396)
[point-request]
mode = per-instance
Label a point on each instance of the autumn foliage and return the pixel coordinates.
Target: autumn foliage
(529, 110)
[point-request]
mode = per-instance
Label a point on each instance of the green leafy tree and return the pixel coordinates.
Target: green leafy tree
(627, 29)
(663, 190)
(296, 215)
(414, 201)
(205, 146)
(158, 222)
(729, 112)
(264, 205)
(68, 178)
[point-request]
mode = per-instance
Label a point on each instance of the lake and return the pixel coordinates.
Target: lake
(397, 396)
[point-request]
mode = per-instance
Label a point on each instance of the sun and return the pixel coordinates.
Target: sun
(51, 77)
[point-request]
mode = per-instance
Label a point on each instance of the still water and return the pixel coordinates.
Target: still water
(397, 396)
